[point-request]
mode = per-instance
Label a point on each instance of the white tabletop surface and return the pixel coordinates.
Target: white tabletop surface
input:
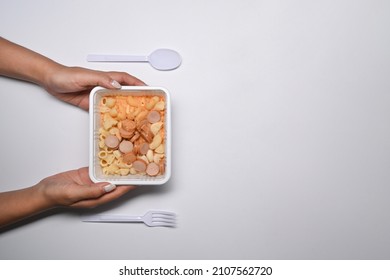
(281, 128)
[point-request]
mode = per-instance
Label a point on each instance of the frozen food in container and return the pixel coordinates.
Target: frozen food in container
(96, 171)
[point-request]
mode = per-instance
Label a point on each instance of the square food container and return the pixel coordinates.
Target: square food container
(95, 169)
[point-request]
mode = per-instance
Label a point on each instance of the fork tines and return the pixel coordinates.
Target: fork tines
(167, 219)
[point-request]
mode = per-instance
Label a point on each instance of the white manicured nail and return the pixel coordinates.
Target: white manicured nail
(115, 84)
(109, 188)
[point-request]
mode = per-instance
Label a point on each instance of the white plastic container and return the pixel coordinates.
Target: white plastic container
(95, 170)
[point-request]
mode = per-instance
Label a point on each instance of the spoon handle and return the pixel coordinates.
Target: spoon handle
(116, 58)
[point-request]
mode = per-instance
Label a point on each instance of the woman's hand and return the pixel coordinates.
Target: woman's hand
(69, 84)
(75, 189)
(73, 84)
(68, 189)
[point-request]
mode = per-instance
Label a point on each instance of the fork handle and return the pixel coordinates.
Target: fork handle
(110, 218)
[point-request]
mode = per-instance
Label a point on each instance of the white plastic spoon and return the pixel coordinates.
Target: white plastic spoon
(160, 59)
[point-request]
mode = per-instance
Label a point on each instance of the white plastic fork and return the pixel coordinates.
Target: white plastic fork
(152, 218)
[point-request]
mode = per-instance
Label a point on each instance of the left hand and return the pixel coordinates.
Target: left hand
(73, 84)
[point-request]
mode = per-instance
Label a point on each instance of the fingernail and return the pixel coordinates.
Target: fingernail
(109, 188)
(115, 84)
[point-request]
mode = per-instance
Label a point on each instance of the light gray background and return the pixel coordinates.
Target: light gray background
(281, 128)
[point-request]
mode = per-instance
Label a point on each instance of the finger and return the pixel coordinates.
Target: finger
(84, 175)
(107, 81)
(126, 79)
(105, 198)
(84, 103)
(110, 80)
(91, 192)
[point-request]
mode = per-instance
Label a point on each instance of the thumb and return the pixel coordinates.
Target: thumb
(96, 190)
(109, 83)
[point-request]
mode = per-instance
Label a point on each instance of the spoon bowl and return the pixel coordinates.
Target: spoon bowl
(164, 59)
